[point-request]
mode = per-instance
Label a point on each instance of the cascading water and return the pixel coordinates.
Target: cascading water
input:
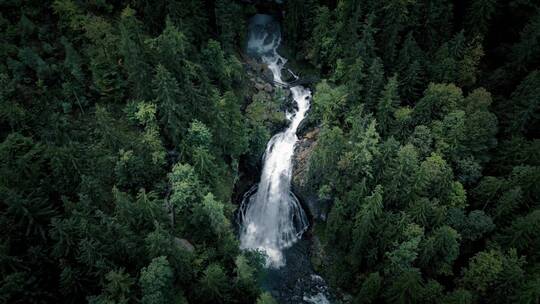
(271, 217)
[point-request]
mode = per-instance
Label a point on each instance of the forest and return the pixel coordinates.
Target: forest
(129, 131)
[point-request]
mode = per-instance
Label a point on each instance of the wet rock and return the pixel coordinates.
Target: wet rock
(287, 93)
(267, 74)
(287, 76)
(312, 135)
(289, 106)
(306, 125)
(253, 65)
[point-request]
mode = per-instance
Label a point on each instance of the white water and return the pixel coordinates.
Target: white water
(272, 218)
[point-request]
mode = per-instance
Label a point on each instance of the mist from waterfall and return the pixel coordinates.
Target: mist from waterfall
(272, 218)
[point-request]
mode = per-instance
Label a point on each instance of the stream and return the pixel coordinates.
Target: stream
(272, 219)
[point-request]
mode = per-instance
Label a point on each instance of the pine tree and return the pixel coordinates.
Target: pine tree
(171, 43)
(354, 79)
(525, 112)
(522, 235)
(401, 175)
(214, 285)
(437, 23)
(365, 221)
(480, 124)
(132, 50)
(405, 288)
(524, 54)
(230, 27)
(434, 177)
(479, 15)
(172, 114)
(438, 100)
(410, 67)
(370, 289)
(191, 17)
(387, 105)
(329, 102)
(156, 282)
(440, 250)
(230, 129)
(397, 17)
(366, 46)
(374, 84)
(323, 41)
(266, 298)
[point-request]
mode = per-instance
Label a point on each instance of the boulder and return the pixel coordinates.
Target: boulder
(268, 88)
(287, 93)
(259, 86)
(267, 74)
(184, 244)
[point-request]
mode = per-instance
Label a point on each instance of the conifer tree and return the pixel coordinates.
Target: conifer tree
(387, 105)
(132, 50)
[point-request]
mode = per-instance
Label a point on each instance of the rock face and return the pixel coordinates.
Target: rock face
(262, 105)
(317, 208)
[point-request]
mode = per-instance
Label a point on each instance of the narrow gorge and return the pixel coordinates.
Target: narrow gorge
(272, 219)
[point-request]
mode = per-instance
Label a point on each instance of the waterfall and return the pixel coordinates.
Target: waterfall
(271, 216)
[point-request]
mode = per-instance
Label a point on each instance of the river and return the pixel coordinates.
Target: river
(271, 217)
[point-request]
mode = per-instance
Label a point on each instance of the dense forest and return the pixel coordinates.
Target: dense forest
(127, 127)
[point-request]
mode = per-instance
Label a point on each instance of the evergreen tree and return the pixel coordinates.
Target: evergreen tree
(405, 288)
(156, 282)
(438, 100)
(387, 105)
(366, 45)
(370, 289)
(374, 84)
(525, 104)
(172, 114)
(323, 41)
(230, 27)
(266, 298)
(132, 50)
(365, 221)
(479, 15)
(213, 284)
(397, 17)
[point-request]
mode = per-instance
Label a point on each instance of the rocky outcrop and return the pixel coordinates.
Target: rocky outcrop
(262, 107)
(183, 244)
(304, 148)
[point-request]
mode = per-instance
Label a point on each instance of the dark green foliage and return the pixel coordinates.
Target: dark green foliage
(213, 285)
(405, 288)
(98, 101)
(167, 95)
(370, 290)
(454, 146)
(525, 116)
(266, 298)
(387, 105)
(156, 282)
(479, 14)
(230, 27)
(125, 129)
